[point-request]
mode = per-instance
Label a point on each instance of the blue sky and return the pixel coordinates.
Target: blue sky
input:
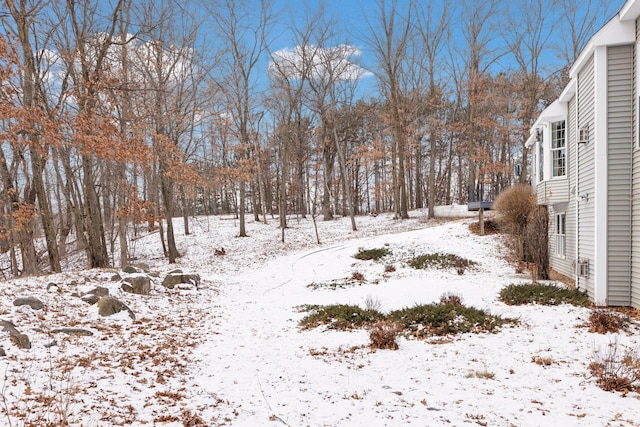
(351, 24)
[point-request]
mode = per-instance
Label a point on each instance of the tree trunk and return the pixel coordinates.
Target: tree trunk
(166, 187)
(122, 223)
(329, 157)
(96, 242)
(345, 182)
(45, 212)
(22, 18)
(241, 209)
(431, 199)
(185, 211)
(284, 157)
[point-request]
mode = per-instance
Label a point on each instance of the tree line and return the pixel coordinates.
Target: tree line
(115, 114)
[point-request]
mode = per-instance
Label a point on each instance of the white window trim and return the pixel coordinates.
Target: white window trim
(561, 237)
(540, 155)
(554, 150)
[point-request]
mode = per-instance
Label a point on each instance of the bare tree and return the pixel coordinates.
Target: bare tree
(527, 40)
(84, 39)
(479, 31)
(432, 28)
(390, 34)
(24, 15)
(577, 22)
(245, 32)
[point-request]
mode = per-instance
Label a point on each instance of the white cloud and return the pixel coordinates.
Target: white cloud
(337, 63)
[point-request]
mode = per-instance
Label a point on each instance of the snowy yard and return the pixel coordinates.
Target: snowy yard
(230, 352)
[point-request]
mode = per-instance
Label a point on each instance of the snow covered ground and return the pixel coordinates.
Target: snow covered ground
(231, 353)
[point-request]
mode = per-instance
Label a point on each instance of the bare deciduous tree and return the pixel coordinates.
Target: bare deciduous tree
(390, 35)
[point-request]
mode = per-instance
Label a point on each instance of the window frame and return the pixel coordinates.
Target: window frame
(561, 234)
(541, 160)
(559, 149)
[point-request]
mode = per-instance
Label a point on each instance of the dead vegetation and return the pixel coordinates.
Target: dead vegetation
(604, 321)
(614, 371)
(383, 335)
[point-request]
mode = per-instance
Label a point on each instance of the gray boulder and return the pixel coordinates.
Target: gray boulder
(32, 302)
(21, 340)
(143, 266)
(8, 327)
(131, 269)
(108, 306)
(90, 298)
(172, 279)
(99, 291)
(137, 284)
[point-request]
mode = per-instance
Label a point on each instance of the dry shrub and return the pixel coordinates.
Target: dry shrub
(615, 373)
(514, 206)
(537, 242)
(542, 361)
(451, 298)
(603, 321)
(389, 268)
(357, 276)
(383, 335)
(372, 304)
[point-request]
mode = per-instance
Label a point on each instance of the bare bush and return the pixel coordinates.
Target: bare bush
(383, 335)
(357, 276)
(614, 372)
(604, 321)
(372, 304)
(451, 298)
(537, 242)
(514, 206)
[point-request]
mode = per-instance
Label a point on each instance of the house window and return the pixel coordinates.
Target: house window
(540, 161)
(561, 235)
(559, 148)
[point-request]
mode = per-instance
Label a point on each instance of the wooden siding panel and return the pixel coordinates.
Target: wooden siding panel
(619, 152)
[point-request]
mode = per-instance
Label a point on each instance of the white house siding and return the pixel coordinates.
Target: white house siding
(553, 191)
(619, 151)
(572, 137)
(635, 240)
(561, 200)
(586, 172)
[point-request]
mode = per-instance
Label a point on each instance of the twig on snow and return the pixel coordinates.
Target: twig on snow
(273, 417)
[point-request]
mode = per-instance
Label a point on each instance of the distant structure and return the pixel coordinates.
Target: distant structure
(480, 200)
